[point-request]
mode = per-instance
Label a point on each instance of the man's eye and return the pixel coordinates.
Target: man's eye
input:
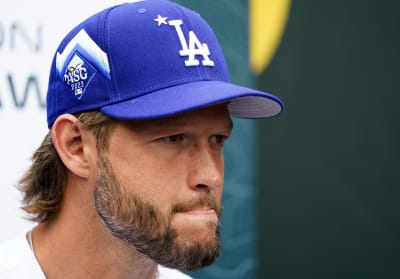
(220, 139)
(173, 138)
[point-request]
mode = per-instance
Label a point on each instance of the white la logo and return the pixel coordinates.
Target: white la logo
(194, 48)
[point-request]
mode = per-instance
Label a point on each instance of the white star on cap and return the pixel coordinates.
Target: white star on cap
(161, 20)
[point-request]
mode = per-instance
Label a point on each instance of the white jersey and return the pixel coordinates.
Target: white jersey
(17, 261)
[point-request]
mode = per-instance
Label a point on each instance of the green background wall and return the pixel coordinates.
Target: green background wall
(329, 174)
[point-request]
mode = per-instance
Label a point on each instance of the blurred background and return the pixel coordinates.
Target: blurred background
(312, 193)
(329, 170)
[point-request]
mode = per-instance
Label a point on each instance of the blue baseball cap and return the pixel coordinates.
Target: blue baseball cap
(145, 60)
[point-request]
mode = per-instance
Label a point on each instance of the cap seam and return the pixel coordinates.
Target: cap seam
(115, 94)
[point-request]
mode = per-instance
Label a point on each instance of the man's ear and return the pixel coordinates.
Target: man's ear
(68, 135)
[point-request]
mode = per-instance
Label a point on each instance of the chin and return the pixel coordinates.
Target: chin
(197, 231)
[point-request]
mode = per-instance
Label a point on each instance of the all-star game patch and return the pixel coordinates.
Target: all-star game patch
(80, 61)
(78, 75)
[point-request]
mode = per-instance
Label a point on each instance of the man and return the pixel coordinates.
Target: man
(128, 181)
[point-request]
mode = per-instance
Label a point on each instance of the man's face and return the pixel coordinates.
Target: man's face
(159, 186)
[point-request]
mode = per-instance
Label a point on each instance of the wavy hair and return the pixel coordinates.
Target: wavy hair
(43, 185)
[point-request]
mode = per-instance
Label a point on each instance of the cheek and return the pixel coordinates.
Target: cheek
(152, 178)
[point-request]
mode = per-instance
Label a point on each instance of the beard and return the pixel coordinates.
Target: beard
(142, 226)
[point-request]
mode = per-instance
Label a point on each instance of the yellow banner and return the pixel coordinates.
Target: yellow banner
(267, 21)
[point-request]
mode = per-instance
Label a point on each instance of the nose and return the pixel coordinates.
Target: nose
(206, 169)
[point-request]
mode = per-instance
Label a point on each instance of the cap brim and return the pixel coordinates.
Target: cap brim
(243, 102)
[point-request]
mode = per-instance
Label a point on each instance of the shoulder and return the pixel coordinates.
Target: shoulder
(169, 273)
(17, 260)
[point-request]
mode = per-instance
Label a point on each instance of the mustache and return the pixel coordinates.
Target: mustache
(202, 201)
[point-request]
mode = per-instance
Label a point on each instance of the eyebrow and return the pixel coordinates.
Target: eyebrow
(178, 125)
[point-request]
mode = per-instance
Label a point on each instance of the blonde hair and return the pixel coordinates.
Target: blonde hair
(43, 184)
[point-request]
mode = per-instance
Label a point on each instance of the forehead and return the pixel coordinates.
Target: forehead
(212, 116)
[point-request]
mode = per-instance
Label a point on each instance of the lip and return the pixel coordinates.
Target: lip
(204, 211)
(199, 211)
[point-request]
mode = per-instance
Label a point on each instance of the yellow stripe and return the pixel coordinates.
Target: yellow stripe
(267, 20)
